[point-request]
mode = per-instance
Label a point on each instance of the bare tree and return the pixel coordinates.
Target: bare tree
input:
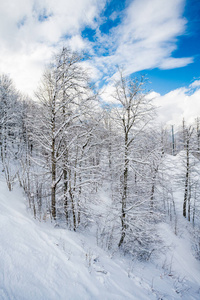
(187, 190)
(64, 97)
(131, 115)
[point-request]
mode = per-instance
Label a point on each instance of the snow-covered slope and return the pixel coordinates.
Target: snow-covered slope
(39, 262)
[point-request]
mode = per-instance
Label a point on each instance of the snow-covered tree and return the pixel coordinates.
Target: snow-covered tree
(61, 126)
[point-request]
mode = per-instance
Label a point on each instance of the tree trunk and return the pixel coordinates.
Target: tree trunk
(189, 202)
(53, 169)
(186, 179)
(65, 195)
(73, 210)
(153, 190)
(53, 189)
(124, 195)
(72, 201)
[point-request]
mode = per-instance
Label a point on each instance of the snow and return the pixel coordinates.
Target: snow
(182, 260)
(40, 262)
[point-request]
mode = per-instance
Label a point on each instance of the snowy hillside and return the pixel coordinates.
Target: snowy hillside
(40, 262)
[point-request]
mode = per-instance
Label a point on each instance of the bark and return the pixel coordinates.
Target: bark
(124, 195)
(71, 194)
(53, 164)
(53, 188)
(152, 196)
(79, 207)
(189, 202)
(73, 210)
(65, 195)
(186, 179)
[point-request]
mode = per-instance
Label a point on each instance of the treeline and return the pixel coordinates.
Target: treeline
(90, 166)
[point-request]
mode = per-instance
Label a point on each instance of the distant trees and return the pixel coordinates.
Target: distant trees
(8, 97)
(191, 205)
(11, 103)
(187, 192)
(81, 164)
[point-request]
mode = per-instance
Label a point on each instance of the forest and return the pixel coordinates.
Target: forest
(97, 167)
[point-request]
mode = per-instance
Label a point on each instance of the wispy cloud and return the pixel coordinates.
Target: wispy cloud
(144, 36)
(147, 36)
(172, 63)
(195, 84)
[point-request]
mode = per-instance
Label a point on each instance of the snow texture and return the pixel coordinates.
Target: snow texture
(40, 262)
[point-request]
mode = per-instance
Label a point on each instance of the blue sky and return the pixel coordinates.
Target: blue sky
(186, 44)
(159, 38)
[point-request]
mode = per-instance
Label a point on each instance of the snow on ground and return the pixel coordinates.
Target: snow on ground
(40, 262)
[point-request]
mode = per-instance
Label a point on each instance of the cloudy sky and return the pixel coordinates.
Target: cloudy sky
(159, 38)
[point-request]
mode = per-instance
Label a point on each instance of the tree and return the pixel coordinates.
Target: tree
(64, 96)
(187, 190)
(10, 126)
(131, 115)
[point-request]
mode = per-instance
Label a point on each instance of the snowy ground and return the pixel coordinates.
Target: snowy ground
(39, 262)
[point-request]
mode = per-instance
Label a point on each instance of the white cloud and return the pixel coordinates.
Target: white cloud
(172, 63)
(178, 104)
(76, 43)
(26, 67)
(172, 107)
(31, 30)
(107, 93)
(147, 36)
(195, 84)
